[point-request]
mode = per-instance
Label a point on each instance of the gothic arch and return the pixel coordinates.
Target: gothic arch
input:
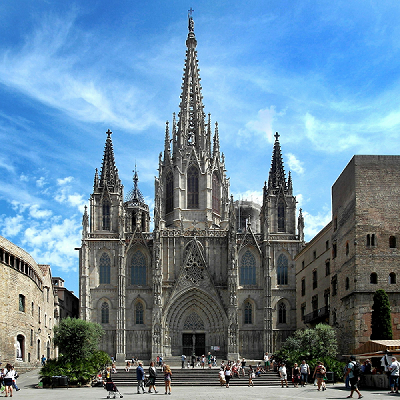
(248, 312)
(282, 268)
(101, 257)
(100, 309)
(198, 301)
(142, 255)
(278, 309)
(249, 266)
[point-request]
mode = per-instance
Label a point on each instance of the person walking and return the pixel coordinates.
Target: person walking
(152, 377)
(9, 375)
(183, 358)
(353, 374)
(252, 375)
(304, 371)
(228, 374)
(43, 360)
(266, 361)
(394, 376)
(296, 375)
(140, 377)
(319, 373)
(283, 374)
(167, 379)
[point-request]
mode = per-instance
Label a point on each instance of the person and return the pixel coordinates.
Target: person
(43, 360)
(209, 356)
(221, 374)
(323, 383)
(353, 378)
(152, 377)
(319, 373)
(203, 361)
(14, 382)
(266, 361)
(9, 375)
(183, 358)
(193, 360)
(368, 367)
(160, 361)
(140, 377)
(283, 374)
(243, 365)
(251, 376)
(296, 375)
(228, 373)
(394, 376)
(127, 366)
(167, 378)
(305, 371)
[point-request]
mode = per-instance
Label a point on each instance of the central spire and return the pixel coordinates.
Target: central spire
(277, 177)
(191, 124)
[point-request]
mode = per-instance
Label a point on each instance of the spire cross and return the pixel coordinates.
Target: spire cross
(109, 133)
(190, 12)
(276, 135)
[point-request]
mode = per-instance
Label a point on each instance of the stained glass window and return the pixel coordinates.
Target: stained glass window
(105, 313)
(138, 269)
(139, 313)
(193, 187)
(248, 313)
(106, 215)
(169, 193)
(248, 269)
(282, 313)
(282, 270)
(216, 194)
(105, 266)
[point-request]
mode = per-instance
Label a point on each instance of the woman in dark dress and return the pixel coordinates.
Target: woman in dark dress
(296, 375)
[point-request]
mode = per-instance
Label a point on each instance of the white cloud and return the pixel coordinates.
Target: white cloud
(23, 178)
(36, 213)
(7, 165)
(249, 195)
(40, 182)
(12, 226)
(295, 164)
(61, 182)
(314, 223)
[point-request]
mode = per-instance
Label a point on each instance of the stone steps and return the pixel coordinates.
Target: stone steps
(194, 377)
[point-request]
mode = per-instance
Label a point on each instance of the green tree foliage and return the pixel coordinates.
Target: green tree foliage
(381, 322)
(312, 345)
(79, 357)
(77, 338)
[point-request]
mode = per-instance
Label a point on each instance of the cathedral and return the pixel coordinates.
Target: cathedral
(214, 274)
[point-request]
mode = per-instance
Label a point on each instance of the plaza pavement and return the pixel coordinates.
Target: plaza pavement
(28, 381)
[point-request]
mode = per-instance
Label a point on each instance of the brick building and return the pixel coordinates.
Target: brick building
(27, 308)
(360, 248)
(66, 303)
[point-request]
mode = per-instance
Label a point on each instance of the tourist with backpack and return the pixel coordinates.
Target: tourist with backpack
(353, 371)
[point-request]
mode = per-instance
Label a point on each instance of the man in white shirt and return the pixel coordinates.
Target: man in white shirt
(394, 376)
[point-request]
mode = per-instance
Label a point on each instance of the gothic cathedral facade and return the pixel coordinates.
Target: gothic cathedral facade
(196, 283)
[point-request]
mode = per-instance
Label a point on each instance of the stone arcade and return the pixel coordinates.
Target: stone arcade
(196, 283)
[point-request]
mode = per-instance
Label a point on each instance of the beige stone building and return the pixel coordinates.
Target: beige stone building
(361, 247)
(206, 278)
(27, 308)
(66, 303)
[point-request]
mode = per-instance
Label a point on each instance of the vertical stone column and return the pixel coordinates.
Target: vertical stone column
(121, 325)
(233, 326)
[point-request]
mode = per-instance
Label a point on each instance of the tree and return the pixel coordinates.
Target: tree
(381, 321)
(76, 338)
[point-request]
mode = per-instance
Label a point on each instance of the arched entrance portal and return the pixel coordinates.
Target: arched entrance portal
(196, 323)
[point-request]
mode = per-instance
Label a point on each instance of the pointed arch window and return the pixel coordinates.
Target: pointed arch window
(282, 313)
(281, 216)
(138, 269)
(216, 194)
(248, 269)
(193, 187)
(282, 270)
(248, 313)
(106, 215)
(105, 313)
(169, 193)
(139, 314)
(133, 220)
(105, 267)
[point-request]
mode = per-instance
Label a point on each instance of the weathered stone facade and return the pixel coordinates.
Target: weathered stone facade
(364, 249)
(200, 281)
(27, 305)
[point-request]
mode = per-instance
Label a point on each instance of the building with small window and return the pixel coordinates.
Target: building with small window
(66, 303)
(27, 308)
(363, 257)
(214, 273)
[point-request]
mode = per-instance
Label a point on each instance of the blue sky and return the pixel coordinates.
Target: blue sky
(324, 74)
